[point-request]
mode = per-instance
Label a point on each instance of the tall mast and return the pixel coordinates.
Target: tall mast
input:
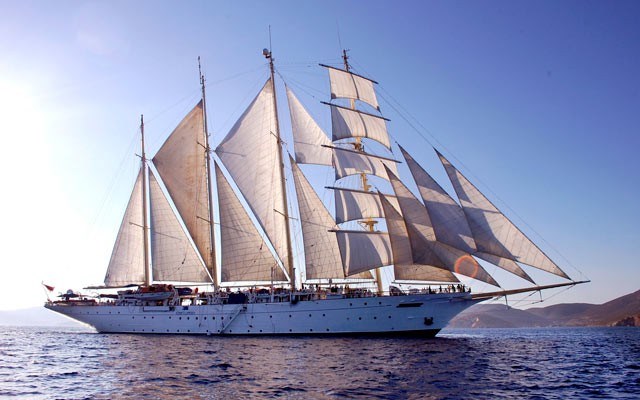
(207, 153)
(292, 270)
(145, 224)
(370, 223)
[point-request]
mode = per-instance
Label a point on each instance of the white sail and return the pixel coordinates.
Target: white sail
(181, 163)
(423, 239)
(404, 268)
(348, 85)
(173, 255)
(321, 253)
(494, 233)
(351, 162)
(308, 137)
(244, 254)
(449, 220)
(506, 264)
(250, 154)
(347, 123)
(127, 258)
(362, 250)
(354, 204)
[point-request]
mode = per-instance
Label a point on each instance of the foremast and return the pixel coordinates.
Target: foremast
(369, 223)
(285, 212)
(207, 150)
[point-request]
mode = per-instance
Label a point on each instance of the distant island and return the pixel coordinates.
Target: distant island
(623, 311)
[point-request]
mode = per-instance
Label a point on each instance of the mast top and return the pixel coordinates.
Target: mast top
(345, 58)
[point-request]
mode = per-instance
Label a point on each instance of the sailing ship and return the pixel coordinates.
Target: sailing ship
(167, 241)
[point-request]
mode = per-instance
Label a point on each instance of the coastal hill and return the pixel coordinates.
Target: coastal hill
(623, 311)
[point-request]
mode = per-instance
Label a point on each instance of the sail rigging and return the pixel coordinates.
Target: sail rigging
(252, 142)
(173, 255)
(322, 256)
(181, 164)
(426, 241)
(348, 123)
(245, 256)
(126, 265)
(493, 232)
(431, 242)
(309, 140)
(354, 204)
(404, 266)
(449, 220)
(347, 85)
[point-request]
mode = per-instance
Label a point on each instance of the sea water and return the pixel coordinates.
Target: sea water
(558, 363)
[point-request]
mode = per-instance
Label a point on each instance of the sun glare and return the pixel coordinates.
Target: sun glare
(21, 124)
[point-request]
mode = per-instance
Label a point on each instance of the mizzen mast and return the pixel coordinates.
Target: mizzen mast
(207, 151)
(145, 222)
(285, 213)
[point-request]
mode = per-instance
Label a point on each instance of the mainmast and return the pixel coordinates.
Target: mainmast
(369, 223)
(285, 212)
(207, 152)
(145, 223)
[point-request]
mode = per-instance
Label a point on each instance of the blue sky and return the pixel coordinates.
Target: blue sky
(537, 102)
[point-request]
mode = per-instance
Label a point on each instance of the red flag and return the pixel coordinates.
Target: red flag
(49, 288)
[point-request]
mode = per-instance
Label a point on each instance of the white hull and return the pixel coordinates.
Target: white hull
(421, 314)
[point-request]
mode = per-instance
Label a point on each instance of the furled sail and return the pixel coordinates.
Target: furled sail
(181, 163)
(173, 255)
(345, 84)
(494, 233)
(348, 123)
(250, 154)
(404, 267)
(350, 162)
(244, 254)
(352, 204)
(127, 258)
(449, 220)
(308, 137)
(362, 250)
(423, 239)
(321, 253)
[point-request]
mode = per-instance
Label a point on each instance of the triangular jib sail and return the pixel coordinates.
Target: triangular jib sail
(449, 220)
(494, 233)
